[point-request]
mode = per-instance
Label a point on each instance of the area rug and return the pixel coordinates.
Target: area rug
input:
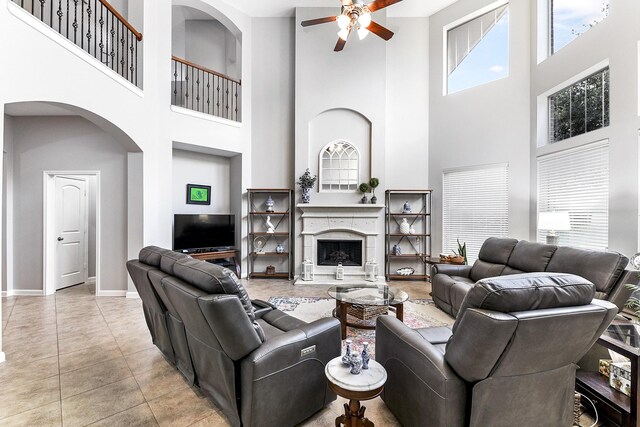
(418, 313)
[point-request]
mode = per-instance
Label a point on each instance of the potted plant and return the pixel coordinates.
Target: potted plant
(306, 182)
(634, 302)
(461, 255)
(373, 183)
(364, 189)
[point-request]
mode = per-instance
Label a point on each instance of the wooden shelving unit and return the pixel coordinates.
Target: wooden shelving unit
(282, 219)
(416, 247)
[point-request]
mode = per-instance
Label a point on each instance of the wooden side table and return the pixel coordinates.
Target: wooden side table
(231, 254)
(364, 386)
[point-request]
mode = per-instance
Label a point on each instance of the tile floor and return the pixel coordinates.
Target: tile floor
(75, 360)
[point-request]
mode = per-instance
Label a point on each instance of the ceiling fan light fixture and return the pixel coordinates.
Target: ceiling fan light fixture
(343, 34)
(343, 21)
(364, 20)
(362, 32)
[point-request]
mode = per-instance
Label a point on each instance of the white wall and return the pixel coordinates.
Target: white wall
(68, 144)
(614, 39)
(273, 96)
(92, 193)
(487, 124)
(203, 169)
(7, 201)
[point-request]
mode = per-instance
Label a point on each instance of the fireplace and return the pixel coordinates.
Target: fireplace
(346, 252)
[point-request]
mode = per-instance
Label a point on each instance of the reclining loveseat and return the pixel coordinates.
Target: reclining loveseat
(260, 366)
(503, 256)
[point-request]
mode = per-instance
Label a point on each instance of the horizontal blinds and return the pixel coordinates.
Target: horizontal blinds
(462, 39)
(577, 181)
(475, 207)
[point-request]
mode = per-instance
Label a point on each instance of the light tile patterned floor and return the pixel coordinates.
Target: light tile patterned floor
(74, 360)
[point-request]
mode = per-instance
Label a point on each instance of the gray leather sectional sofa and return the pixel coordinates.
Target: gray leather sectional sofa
(260, 366)
(503, 256)
(510, 359)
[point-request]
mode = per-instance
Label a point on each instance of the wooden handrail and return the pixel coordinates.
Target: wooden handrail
(121, 19)
(207, 70)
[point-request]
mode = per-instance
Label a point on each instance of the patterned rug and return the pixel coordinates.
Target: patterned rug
(418, 313)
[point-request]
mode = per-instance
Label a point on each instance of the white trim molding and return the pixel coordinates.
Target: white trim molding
(133, 295)
(27, 293)
(187, 112)
(3, 358)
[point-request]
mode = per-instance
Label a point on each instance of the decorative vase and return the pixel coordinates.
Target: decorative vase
(356, 363)
(374, 200)
(396, 250)
(306, 195)
(405, 228)
(406, 208)
(364, 199)
(412, 230)
(346, 358)
(279, 249)
(365, 355)
(269, 204)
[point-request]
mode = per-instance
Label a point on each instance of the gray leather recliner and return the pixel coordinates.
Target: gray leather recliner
(510, 358)
(260, 366)
(503, 256)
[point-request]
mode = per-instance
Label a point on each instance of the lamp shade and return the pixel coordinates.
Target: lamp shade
(556, 221)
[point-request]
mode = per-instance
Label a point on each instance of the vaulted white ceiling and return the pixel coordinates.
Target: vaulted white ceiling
(285, 8)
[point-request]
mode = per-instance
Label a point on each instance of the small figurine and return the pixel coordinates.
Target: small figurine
(407, 207)
(270, 227)
(365, 355)
(279, 249)
(356, 363)
(346, 357)
(269, 203)
(396, 250)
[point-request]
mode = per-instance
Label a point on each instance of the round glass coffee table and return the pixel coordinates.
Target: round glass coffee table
(364, 386)
(365, 303)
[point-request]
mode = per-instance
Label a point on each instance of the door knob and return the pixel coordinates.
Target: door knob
(60, 239)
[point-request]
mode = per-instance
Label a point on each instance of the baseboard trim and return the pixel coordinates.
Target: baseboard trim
(27, 292)
(111, 293)
(2, 357)
(91, 279)
(7, 294)
(133, 295)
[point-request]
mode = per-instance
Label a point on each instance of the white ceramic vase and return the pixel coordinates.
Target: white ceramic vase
(405, 228)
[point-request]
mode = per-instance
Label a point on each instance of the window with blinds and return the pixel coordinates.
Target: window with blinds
(475, 206)
(478, 49)
(577, 181)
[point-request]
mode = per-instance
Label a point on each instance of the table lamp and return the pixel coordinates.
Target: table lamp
(552, 222)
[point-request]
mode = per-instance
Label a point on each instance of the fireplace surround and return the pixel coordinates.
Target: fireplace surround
(354, 225)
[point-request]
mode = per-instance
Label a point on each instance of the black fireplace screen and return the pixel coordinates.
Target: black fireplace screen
(347, 252)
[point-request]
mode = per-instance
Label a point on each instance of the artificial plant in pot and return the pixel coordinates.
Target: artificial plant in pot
(462, 251)
(364, 189)
(306, 182)
(634, 301)
(373, 183)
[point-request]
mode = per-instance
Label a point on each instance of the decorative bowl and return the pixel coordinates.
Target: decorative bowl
(405, 271)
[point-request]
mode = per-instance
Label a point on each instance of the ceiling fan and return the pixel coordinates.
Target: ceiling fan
(355, 15)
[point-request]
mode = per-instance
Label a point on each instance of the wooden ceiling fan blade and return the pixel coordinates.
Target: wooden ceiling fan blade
(341, 43)
(380, 31)
(346, 2)
(319, 21)
(381, 4)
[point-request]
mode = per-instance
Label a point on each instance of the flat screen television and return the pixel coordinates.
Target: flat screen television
(196, 232)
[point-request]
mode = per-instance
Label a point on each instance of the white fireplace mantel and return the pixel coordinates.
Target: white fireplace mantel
(340, 222)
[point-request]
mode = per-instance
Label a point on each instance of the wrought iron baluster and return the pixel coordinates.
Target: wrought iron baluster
(186, 87)
(67, 16)
(236, 98)
(123, 55)
(112, 31)
(181, 85)
(101, 45)
(60, 14)
(88, 35)
(175, 82)
(218, 96)
(132, 50)
(208, 92)
(197, 90)
(75, 21)
(227, 103)
(82, 25)
(42, 2)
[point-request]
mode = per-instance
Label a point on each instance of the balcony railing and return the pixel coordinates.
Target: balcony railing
(96, 27)
(206, 91)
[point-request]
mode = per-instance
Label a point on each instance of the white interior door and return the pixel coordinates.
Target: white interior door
(71, 231)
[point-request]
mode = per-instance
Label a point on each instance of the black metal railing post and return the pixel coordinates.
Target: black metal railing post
(206, 91)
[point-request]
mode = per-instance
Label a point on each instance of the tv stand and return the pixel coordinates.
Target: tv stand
(232, 254)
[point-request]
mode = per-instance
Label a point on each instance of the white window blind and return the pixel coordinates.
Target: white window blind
(577, 181)
(475, 207)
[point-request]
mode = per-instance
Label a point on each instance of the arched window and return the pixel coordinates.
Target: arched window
(339, 167)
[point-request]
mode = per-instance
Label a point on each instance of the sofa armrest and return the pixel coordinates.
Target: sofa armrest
(451, 270)
(414, 364)
(261, 307)
(285, 350)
